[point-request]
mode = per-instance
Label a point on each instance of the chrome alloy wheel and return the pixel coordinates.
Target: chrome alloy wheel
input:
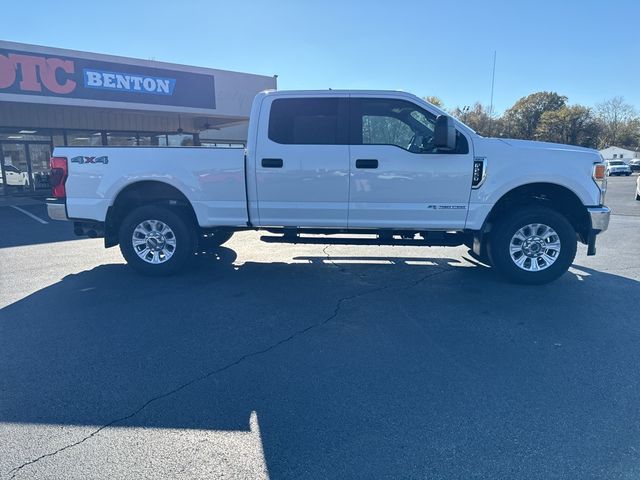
(153, 241)
(535, 247)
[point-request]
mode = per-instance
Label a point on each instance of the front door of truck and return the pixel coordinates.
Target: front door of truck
(302, 162)
(398, 178)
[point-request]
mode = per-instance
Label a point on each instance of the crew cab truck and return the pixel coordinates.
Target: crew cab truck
(354, 162)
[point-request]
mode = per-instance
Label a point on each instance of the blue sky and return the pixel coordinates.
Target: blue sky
(586, 50)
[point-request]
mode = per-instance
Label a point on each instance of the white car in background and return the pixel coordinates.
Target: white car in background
(617, 167)
(638, 189)
(14, 177)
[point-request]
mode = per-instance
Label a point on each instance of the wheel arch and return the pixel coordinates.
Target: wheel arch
(551, 195)
(140, 193)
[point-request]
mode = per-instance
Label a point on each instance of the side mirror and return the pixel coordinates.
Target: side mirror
(444, 135)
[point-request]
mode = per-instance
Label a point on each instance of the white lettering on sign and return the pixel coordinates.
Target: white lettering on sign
(108, 80)
(163, 85)
(93, 79)
(149, 84)
(126, 82)
(123, 81)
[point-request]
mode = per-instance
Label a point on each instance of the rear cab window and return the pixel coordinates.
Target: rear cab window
(309, 121)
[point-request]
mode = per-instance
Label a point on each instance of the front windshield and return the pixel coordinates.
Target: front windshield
(616, 163)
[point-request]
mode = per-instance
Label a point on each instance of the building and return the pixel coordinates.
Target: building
(617, 153)
(51, 97)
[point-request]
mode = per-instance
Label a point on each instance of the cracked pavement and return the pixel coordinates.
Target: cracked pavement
(316, 361)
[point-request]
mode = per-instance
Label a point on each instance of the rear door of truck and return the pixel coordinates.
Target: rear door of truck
(302, 161)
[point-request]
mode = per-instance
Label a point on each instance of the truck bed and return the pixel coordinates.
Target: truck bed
(211, 178)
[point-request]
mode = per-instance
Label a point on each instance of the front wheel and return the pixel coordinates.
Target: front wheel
(156, 240)
(533, 246)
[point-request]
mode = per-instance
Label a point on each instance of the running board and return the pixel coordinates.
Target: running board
(435, 240)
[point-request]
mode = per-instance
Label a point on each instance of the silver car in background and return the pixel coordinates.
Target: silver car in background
(617, 167)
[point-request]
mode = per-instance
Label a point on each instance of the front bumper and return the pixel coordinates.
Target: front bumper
(599, 218)
(599, 223)
(57, 209)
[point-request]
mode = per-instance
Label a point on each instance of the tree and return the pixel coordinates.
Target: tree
(573, 125)
(521, 120)
(629, 134)
(477, 117)
(433, 100)
(617, 120)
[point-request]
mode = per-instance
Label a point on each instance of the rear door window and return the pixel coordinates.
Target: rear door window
(309, 121)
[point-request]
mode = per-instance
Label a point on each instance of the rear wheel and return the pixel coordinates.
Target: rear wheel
(157, 240)
(533, 246)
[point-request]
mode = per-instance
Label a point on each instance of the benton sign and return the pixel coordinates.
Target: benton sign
(27, 73)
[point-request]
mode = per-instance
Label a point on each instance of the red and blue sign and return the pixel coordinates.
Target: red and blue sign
(27, 73)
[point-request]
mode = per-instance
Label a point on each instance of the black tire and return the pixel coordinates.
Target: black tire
(505, 228)
(182, 229)
(638, 197)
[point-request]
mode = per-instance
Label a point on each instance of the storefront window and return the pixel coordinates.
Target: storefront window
(84, 138)
(23, 135)
(14, 168)
(39, 155)
(123, 139)
(180, 140)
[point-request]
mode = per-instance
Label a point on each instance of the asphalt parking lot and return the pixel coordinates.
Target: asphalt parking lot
(313, 361)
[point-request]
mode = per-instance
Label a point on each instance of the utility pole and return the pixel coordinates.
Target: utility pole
(493, 81)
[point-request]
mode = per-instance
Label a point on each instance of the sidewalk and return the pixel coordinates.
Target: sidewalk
(7, 201)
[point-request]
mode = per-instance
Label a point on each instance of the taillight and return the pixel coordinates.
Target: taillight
(58, 176)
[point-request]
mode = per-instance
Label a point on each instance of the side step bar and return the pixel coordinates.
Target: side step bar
(435, 239)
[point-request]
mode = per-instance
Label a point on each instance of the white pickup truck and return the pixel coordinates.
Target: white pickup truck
(385, 164)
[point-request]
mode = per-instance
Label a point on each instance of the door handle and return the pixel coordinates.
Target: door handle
(272, 162)
(366, 163)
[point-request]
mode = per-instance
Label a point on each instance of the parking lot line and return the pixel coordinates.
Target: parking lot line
(29, 214)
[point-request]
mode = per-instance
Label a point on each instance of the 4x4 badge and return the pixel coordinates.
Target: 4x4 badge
(81, 160)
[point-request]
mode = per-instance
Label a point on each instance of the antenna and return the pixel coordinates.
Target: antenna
(493, 81)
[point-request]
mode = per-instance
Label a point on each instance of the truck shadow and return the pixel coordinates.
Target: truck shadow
(356, 366)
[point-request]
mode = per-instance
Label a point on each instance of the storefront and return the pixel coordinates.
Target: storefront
(51, 97)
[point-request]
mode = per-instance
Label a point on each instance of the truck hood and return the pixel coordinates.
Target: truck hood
(530, 150)
(532, 145)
